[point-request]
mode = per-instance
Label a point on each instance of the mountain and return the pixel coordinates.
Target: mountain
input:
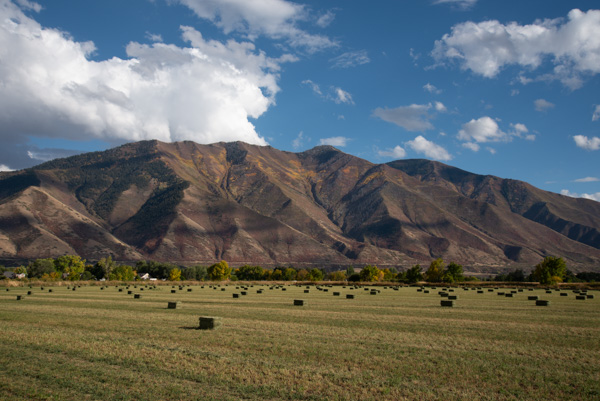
(189, 203)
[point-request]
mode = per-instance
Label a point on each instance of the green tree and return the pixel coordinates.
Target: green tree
(337, 276)
(290, 274)
(435, 272)
(219, 271)
(39, 267)
(103, 268)
(122, 273)
(349, 271)
(551, 270)
(21, 270)
(414, 274)
(370, 273)
(389, 274)
(248, 272)
(71, 266)
(453, 272)
(302, 275)
(315, 274)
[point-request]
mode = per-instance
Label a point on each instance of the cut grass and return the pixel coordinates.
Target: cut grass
(103, 344)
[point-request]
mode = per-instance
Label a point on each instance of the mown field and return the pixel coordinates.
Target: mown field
(102, 344)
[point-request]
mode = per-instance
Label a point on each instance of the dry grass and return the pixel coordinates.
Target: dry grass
(93, 344)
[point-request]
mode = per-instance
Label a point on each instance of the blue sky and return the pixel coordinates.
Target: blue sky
(507, 88)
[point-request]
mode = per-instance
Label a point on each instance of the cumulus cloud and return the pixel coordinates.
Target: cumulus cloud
(596, 114)
(324, 20)
(586, 143)
(276, 19)
(429, 149)
(350, 59)
(5, 168)
(487, 47)
(431, 88)
(339, 141)
(206, 92)
(587, 179)
(471, 145)
(30, 5)
(543, 105)
(298, 142)
(412, 118)
(594, 197)
(486, 129)
(397, 152)
(439, 106)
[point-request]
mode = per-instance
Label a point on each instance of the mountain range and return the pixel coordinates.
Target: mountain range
(188, 203)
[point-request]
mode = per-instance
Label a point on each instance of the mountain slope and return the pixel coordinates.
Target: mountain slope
(190, 203)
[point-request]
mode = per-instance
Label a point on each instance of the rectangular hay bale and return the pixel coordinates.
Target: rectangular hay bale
(209, 323)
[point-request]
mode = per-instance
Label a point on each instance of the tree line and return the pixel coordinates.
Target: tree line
(551, 270)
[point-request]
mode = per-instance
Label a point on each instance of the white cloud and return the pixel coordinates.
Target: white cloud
(30, 5)
(439, 106)
(276, 19)
(594, 197)
(206, 92)
(324, 20)
(350, 59)
(487, 47)
(482, 130)
(429, 149)
(153, 37)
(491, 150)
(397, 152)
(471, 145)
(299, 141)
(587, 143)
(431, 88)
(341, 96)
(315, 87)
(587, 179)
(4, 167)
(464, 4)
(543, 105)
(486, 129)
(412, 118)
(596, 115)
(334, 141)
(334, 94)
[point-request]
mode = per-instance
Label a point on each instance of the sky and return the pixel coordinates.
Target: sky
(507, 88)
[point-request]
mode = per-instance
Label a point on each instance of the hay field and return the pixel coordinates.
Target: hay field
(100, 344)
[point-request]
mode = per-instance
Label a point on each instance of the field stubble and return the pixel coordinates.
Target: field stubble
(104, 344)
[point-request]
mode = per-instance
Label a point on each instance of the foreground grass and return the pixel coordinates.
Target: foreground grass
(103, 344)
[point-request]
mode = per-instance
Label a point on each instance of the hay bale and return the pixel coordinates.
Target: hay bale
(244, 293)
(50, 290)
(174, 305)
(548, 292)
(425, 291)
(582, 297)
(29, 292)
(542, 302)
(190, 290)
(373, 292)
(298, 302)
(173, 291)
(533, 297)
(19, 297)
(564, 294)
(500, 293)
(509, 295)
(137, 296)
(349, 296)
(336, 294)
(236, 295)
(120, 290)
(590, 296)
(306, 291)
(452, 296)
(480, 291)
(447, 303)
(209, 323)
(129, 292)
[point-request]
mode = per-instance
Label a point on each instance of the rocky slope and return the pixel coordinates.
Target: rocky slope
(189, 203)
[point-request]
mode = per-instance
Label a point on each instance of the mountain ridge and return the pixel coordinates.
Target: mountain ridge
(190, 203)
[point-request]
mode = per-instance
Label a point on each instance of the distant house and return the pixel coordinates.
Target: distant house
(20, 275)
(145, 276)
(9, 274)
